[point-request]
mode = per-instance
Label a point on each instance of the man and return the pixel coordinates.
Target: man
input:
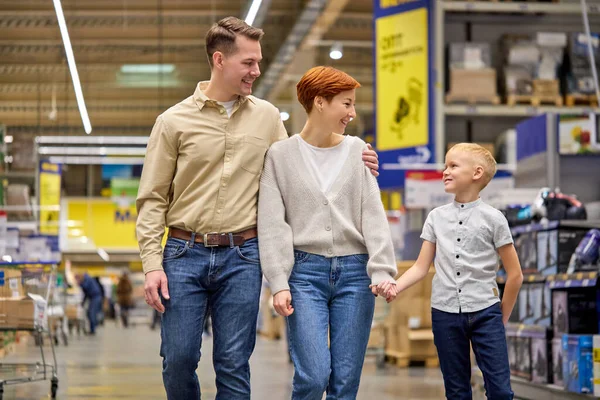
(92, 291)
(200, 178)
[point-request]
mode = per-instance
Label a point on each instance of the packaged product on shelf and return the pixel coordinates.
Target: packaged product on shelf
(558, 361)
(18, 195)
(526, 246)
(580, 77)
(469, 55)
(596, 359)
(578, 373)
(524, 357)
(539, 303)
(575, 311)
(541, 357)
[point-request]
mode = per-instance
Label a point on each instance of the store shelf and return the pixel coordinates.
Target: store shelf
(486, 110)
(579, 279)
(527, 278)
(521, 7)
(17, 175)
(535, 227)
(525, 389)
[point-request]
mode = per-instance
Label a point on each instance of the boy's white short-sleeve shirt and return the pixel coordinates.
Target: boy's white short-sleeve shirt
(467, 236)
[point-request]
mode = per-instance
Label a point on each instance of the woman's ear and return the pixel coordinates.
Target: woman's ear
(318, 103)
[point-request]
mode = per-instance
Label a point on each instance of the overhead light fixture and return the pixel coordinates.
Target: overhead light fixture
(336, 51)
(147, 68)
(252, 11)
(62, 24)
(284, 115)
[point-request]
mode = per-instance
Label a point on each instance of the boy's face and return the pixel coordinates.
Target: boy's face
(241, 68)
(460, 172)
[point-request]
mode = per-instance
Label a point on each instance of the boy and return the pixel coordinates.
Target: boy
(464, 237)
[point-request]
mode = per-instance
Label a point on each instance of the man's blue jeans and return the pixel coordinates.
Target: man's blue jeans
(329, 296)
(484, 330)
(228, 280)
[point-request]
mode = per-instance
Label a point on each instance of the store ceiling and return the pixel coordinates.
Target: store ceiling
(36, 94)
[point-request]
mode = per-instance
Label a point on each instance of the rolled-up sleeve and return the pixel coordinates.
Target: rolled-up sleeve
(153, 194)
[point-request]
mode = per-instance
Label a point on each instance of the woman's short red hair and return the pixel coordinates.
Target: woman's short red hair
(326, 82)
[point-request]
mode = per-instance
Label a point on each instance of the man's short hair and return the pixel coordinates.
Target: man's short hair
(221, 36)
(326, 82)
(481, 156)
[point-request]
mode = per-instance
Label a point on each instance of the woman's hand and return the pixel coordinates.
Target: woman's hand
(386, 289)
(282, 302)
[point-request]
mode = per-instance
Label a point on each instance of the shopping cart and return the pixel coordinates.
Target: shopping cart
(376, 346)
(38, 282)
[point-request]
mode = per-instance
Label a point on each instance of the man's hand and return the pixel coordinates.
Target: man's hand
(282, 302)
(156, 280)
(371, 160)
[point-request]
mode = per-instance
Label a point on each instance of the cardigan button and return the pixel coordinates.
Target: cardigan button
(327, 228)
(325, 202)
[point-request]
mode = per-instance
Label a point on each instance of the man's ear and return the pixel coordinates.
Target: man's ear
(218, 59)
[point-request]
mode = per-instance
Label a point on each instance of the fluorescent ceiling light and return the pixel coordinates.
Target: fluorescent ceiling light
(93, 151)
(89, 140)
(72, 67)
(284, 115)
(254, 7)
(89, 160)
(147, 68)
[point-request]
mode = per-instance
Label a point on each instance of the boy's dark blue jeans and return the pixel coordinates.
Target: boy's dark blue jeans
(453, 332)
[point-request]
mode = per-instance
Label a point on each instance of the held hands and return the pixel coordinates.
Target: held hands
(386, 289)
(282, 302)
(155, 281)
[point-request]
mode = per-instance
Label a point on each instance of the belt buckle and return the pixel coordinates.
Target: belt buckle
(207, 240)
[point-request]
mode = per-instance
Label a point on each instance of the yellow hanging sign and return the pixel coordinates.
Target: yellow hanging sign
(402, 80)
(49, 192)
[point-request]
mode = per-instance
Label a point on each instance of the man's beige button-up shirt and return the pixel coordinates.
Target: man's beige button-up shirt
(202, 169)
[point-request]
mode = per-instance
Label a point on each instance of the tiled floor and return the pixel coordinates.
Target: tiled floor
(124, 364)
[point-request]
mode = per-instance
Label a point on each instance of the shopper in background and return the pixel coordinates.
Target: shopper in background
(324, 239)
(125, 297)
(201, 178)
(465, 238)
(93, 295)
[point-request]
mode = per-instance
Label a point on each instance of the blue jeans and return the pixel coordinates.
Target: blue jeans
(484, 330)
(228, 280)
(329, 296)
(94, 308)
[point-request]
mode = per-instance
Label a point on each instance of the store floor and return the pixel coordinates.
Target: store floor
(124, 364)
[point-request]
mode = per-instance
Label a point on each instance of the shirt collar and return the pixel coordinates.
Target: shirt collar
(201, 99)
(466, 206)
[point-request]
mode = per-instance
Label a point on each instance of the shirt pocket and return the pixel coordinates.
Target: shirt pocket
(253, 154)
(480, 239)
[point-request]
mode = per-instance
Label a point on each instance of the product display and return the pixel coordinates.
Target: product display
(557, 361)
(578, 363)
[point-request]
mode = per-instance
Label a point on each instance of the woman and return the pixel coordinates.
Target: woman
(324, 239)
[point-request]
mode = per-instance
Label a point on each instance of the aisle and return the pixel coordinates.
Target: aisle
(124, 364)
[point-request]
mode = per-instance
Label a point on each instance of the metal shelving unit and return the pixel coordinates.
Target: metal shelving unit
(508, 9)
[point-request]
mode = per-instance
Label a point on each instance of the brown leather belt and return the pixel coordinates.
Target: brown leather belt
(215, 239)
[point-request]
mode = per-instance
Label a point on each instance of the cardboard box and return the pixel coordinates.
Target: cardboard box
(24, 313)
(558, 361)
(11, 285)
(524, 357)
(511, 342)
(578, 374)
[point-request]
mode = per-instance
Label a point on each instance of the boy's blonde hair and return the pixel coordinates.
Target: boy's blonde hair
(481, 156)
